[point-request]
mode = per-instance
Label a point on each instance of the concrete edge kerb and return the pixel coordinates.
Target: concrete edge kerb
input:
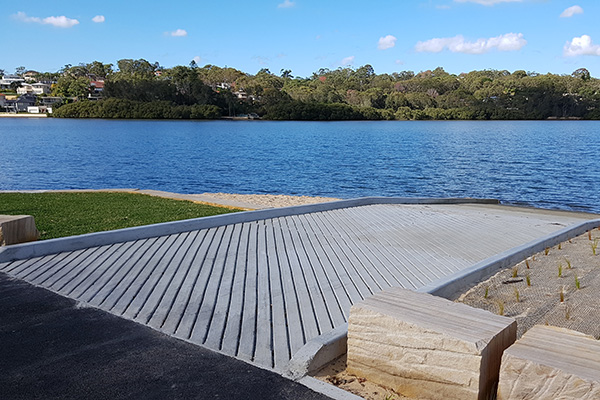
(456, 283)
(327, 347)
(52, 246)
(317, 352)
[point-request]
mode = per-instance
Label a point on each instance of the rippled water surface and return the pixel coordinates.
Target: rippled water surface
(551, 164)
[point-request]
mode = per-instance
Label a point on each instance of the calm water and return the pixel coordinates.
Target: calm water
(545, 164)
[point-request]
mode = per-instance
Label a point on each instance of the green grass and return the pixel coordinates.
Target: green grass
(74, 213)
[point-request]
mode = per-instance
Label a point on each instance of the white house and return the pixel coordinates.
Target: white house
(6, 81)
(34, 88)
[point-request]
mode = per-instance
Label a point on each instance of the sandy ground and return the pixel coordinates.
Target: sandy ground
(537, 303)
(335, 374)
(268, 200)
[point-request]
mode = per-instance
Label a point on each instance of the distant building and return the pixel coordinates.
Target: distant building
(48, 100)
(7, 80)
(39, 110)
(30, 76)
(96, 89)
(34, 88)
(24, 101)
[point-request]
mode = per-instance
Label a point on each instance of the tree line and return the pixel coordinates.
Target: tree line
(140, 89)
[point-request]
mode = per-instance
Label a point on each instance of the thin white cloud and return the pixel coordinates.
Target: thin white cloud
(178, 33)
(347, 61)
(488, 2)
(197, 59)
(581, 46)
(458, 44)
(569, 12)
(286, 4)
(386, 42)
(59, 22)
(99, 19)
(261, 60)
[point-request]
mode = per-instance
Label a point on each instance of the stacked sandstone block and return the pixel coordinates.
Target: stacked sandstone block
(427, 347)
(551, 363)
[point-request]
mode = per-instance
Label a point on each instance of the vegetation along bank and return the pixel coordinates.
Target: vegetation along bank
(140, 89)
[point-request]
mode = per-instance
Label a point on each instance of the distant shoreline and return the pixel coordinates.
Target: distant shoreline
(11, 115)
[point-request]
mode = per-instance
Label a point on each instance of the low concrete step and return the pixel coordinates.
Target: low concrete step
(16, 229)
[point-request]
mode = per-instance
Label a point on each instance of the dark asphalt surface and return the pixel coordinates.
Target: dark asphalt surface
(51, 349)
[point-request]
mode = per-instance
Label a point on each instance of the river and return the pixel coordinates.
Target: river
(547, 164)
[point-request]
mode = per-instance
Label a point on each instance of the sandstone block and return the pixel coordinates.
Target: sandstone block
(427, 347)
(17, 229)
(551, 363)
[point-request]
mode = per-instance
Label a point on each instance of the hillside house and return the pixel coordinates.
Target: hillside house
(34, 88)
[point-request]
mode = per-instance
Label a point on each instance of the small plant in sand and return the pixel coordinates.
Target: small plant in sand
(546, 251)
(567, 313)
(562, 295)
(527, 263)
(577, 283)
(590, 235)
(515, 272)
(500, 307)
(533, 258)
(559, 270)
(517, 295)
(487, 289)
(568, 263)
(560, 246)
(528, 279)
(594, 246)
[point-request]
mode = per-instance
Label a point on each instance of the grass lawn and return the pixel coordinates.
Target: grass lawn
(75, 213)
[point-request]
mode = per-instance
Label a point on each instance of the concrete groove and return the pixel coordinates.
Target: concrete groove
(103, 255)
(401, 278)
(310, 322)
(260, 289)
(363, 272)
(315, 282)
(328, 291)
(342, 298)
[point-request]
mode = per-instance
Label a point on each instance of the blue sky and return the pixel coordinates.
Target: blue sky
(305, 35)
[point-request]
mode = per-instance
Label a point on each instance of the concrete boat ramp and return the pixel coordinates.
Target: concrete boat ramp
(264, 286)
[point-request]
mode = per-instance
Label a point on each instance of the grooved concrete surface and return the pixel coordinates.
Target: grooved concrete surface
(260, 290)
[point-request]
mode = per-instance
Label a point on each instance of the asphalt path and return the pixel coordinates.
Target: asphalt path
(51, 348)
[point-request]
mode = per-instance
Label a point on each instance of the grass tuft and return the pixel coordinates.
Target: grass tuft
(562, 295)
(60, 214)
(568, 263)
(577, 283)
(546, 251)
(500, 307)
(485, 295)
(528, 279)
(559, 270)
(595, 246)
(515, 272)
(527, 263)
(517, 295)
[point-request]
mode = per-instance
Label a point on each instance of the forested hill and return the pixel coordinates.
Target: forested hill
(139, 89)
